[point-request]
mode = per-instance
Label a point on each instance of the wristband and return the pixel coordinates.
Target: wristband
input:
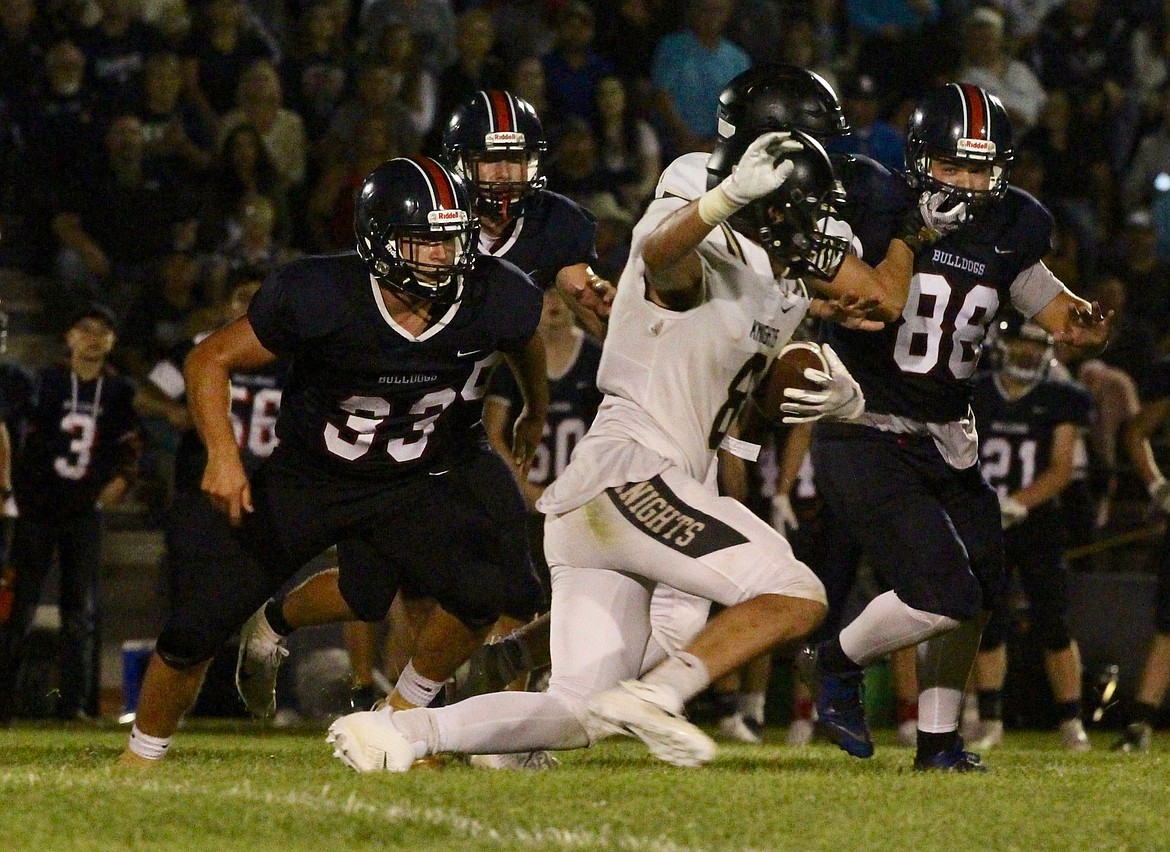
(715, 207)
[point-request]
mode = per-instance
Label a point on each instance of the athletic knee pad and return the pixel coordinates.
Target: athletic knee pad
(181, 650)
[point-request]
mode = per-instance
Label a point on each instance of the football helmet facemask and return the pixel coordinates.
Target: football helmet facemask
(791, 221)
(1021, 350)
(496, 125)
(403, 205)
(962, 123)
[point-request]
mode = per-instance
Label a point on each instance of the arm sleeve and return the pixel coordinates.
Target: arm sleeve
(1034, 288)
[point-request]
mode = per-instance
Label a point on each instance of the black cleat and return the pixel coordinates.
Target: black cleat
(840, 712)
(1135, 738)
(953, 759)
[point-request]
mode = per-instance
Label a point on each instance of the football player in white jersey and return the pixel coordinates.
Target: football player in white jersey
(709, 297)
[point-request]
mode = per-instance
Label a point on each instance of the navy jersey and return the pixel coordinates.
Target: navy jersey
(872, 210)
(554, 233)
(16, 399)
(363, 397)
(255, 406)
(1015, 436)
(920, 366)
(1156, 382)
(572, 404)
(80, 435)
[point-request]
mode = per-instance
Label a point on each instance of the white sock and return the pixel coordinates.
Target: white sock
(938, 709)
(751, 705)
(887, 624)
(944, 664)
(418, 727)
(415, 688)
(503, 722)
(683, 675)
(144, 745)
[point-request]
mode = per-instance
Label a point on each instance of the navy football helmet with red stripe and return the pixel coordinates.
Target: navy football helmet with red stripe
(963, 123)
(404, 208)
(496, 124)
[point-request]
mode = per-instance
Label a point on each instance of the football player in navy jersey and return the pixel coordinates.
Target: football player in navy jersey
(1029, 425)
(915, 447)
(495, 141)
(1155, 678)
(81, 452)
(390, 350)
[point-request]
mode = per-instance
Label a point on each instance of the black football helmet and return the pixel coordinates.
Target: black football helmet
(495, 122)
(777, 97)
(790, 222)
(403, 203)
(960, 121)
(1029, 363)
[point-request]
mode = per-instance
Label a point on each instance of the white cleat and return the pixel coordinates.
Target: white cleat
(989, 735)
(370, 742)
(735, 727)
(640, 710)
(261, 653)
(908, 733)
(524, 761)
(800, 732)
(1073, 736)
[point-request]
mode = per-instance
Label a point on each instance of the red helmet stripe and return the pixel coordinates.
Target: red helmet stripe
(501, 111)
(440, 183)
(978, 119)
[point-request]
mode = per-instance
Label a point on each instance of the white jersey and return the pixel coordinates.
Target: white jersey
(675, 380)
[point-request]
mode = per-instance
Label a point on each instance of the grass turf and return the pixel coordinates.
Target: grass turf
(237, 787)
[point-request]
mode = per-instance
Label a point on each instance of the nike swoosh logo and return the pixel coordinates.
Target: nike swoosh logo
(999, 250)
(437, 472)
(462, 354)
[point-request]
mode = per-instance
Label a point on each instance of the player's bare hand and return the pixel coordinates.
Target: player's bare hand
(526, 435)
(226, 486)
(1087, 328)
(850, 311)
(595, 293)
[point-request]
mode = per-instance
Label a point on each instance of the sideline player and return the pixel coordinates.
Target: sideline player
(703, 306)
(389, 354)
(1029, 425)
(905, 477)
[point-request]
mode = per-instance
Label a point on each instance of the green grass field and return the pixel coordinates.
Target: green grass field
(228, 787)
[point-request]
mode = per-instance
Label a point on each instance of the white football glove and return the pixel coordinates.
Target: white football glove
(840, 397)
(783, 517)
(1011, 511)
(761, 169)
(1160, 494)
(930, 205)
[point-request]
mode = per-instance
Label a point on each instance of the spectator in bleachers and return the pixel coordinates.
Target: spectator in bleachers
(798, 46)
(870, 134)
(61, 139)
(174, 129)
(331, 206)
(317, 68)
(216, 53)
(629, 31)
(757, 26)
(574, 168)
(1146, 275)
(159, 320)
(116, 49)
(526, 81)
(431, 21)
(476, 68)
(243, 172)
(259, 102)
(24, 41)
(412, 83)
(628, 147)
(1133, 345)
(1151, 159)
(373, 95)
(116, 222)
(690, 69)
(255, 246)
(1024, 18)
(524, 28)
(988, 65)
(892, 41)
(574, 67)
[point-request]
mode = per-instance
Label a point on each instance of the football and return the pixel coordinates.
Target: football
(787, 371)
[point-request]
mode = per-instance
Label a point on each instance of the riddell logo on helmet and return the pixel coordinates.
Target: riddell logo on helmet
(976, 146)
(504, 139)
(446, 217)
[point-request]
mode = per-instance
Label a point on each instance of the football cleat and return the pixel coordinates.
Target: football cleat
(988, 734)
(639, 710)
(736, 727)
(369, 742)
(1073, 736)
(954, 759)
(261, 653)
(840, 712)
(1136, 737)
(525, 761)
(490, 669)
